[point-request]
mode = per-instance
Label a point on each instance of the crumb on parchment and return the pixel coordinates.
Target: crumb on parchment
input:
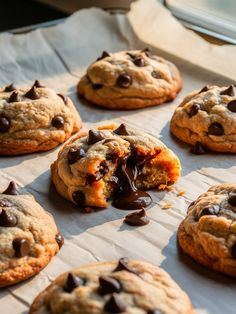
(111, 126)
(166, 205)
(181, 193)
(165, 187)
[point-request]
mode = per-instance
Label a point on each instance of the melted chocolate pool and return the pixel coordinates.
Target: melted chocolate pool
(127, 195)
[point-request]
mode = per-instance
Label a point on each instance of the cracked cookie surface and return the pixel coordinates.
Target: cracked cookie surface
(131, 287)
(93, 166)
(207, 116)
(35, 119)
(208, 233)
(28, 237)
(130, 80)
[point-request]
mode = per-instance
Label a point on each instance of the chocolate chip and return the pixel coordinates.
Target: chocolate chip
(64, 98)
(146, 51)
(94, 137)
(121, 130)
(111, 156)
(204, 89)
(155, 312)
(58, 122)
(108, 285)
(32, 93)
(156, 74)
(37, 84)
(124, 80)
(123, 265)
(232, 199)
(216, 129)
(211, 210)
(228, 91)
(131, 55)
(5, 203)
(194, 110)
(14, 97)
(10, 88)
(21, 247)
(75, 155)
(7, 220)
(5, 124)
(233, 250)
(11, 189)
(78, 197)
(198, 149)
(97, 86)
(138, 218)
(73, 282)
(232, 105)
(99, 174)
(139, 62)
(115, 304)
(104, 55)
(59, 239)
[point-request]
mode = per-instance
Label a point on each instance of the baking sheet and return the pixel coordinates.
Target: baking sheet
(58, 57)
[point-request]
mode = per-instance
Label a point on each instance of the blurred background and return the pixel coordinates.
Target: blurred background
(216, 18)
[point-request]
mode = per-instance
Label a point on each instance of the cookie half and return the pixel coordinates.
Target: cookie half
(28, 237)
(121, 163)
(35, 119)
(130, 80)
(113, 287)
(207, 117)
(208, 233)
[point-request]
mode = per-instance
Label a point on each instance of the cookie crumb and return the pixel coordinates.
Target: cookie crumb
(163, 187)
(88, 210)
(111, 126)
(181, 193)
(166, 205)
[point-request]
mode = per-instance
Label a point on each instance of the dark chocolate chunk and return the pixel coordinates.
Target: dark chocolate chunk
(156, 74)
(123, 264)
(216, 129)
(73, 282)
(111, 156)
(37, 84)
(7, 220)
(108, 285)
(232, 105)
(14, 97)
(138, 218)
(78, 197)
(233, 250)
(64, 98)
(75, 155)
(194, 110)
(58, 122)
(155, 312)
(94, 137)
(32, 93)
(11, 189)
(115, 304)
(21, 247)
(131, 55)
(232, 199)
(146, 51)
(198, 149)
(10, 88)
(99, 174)
(228, 91)
(139, 62)
(59, 239)
(124, 80)
(97, 86)
(104, 55)
(210, 210)
(5, 124)
(204, 89)
(121, 130)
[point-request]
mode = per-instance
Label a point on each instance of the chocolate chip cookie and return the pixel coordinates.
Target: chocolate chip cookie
(130, 80)
(113, 287)
(119, 163)
(208, 233)
(34, 119)
(28, 237)
(206, 118)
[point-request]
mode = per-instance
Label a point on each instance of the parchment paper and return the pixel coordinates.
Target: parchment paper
(58, 57)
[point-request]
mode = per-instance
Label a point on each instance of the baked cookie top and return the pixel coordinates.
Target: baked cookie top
(34, 119)
(96, 165)
(207, 116)
(129, 80)
(208, 233)
(132, 287)
(28, 236)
